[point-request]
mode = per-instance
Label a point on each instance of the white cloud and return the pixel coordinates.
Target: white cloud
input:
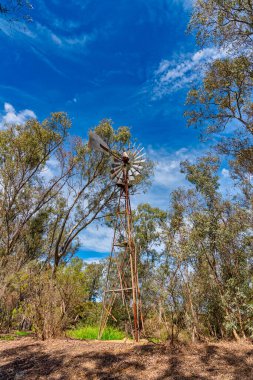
(96, 238)
(51, 169)
(225, 173)
(227, 185)
(183, 70)
(167, 170)
(92, 260)
(78, 40)
(167, 175)
(11, 116)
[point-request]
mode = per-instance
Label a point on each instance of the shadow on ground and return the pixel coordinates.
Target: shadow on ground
(70, 361)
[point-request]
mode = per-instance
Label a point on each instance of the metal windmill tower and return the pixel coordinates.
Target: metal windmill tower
(122, 276)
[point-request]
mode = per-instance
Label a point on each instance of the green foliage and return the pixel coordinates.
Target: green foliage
(220, 241)
(194, 260)
(23, 333)
(7, 337)
(199, 283)
(224, 100)
(224, 97)
(202, 175)
(43, 211)
(14, 335)
(223, 22)
(91, 332)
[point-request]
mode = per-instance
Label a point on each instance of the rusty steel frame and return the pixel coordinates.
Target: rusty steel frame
(123, 229)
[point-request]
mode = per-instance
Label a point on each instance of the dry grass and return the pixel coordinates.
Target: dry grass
(64, 359)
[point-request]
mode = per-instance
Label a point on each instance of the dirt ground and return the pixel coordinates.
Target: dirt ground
(30, 359)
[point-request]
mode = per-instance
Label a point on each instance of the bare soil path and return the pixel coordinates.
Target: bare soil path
(29, 359)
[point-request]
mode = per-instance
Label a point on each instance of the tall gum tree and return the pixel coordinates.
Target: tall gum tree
(54, 181)
(222, 104)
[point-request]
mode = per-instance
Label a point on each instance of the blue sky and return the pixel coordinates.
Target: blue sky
(130, 61)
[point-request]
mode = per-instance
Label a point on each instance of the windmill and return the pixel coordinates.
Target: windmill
(126, 167)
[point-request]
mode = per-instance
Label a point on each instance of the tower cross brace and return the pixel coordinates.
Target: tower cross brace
(122, 274)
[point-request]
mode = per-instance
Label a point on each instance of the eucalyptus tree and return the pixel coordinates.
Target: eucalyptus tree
(220, 242)
(24, 197)
(51, 181)
(223, 103)
(225, 23)
(52, 186)
(148, 229)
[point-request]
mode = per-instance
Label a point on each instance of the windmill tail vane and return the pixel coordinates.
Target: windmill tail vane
(124, 286)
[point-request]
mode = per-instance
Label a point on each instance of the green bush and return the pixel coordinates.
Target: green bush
(23, 333)
(7, 337)
(91, 332)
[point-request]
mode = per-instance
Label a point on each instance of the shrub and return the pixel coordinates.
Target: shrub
(91, 332)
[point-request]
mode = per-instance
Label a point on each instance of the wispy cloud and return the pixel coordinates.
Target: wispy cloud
(42, 32)
(49, 39)
(42, 56)
(11, 116)
(182, 71)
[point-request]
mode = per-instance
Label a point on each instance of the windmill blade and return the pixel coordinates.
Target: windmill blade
(96, 143)
(140, 156)
(120, 183)
(120, 174)
(131, 149)
(120, 180)
(131, 178)
(117, 159)
(135, 172)
(138, 168)
(131, 175)
(116, 170)
(141, 149)
(138, 162)
(116, 164)
(116, 173)
(138, 151)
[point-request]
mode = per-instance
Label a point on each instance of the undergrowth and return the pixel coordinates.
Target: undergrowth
(7, 337)
(23, 333)
(14, 335)
(91, 332)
